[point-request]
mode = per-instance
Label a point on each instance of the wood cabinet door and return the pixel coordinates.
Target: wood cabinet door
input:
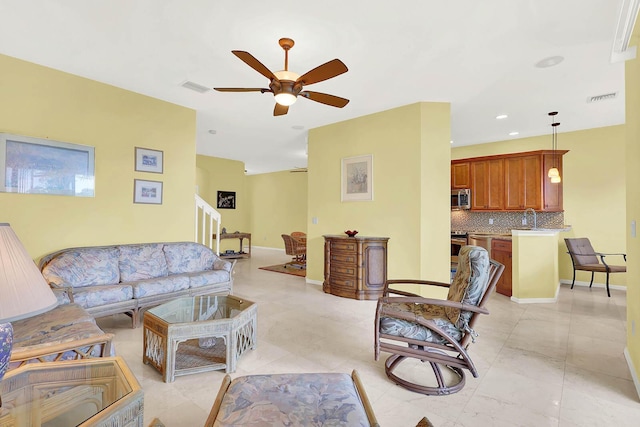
(488, 185)
(523, 183)
(460, 175)
(552, 193)
(501, 252)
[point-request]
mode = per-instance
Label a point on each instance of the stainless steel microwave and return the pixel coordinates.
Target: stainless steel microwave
(460, 199)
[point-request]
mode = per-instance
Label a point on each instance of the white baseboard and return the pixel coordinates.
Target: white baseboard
(595, 285)
(314, 282)
(537, 300)
(265, 247)
(633, 371)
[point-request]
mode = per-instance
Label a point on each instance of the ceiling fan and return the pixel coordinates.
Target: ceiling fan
(286, 85)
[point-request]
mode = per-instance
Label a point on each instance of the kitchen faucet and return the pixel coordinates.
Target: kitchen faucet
(535, 220)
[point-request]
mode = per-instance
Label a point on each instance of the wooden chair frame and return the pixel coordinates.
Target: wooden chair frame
(451, 355)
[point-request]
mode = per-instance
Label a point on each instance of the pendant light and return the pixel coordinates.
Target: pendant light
(553, 173)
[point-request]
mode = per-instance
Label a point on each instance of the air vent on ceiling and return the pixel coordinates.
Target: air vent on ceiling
(602, 97)
(195, 86)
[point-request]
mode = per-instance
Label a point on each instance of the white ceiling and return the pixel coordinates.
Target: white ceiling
(478, 55)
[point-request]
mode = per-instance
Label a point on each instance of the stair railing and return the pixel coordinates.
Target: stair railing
(205, 215)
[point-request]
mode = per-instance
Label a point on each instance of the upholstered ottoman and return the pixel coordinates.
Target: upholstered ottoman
(328, 399)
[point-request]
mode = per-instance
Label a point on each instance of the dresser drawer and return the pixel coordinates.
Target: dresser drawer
(344, 269)
(344, 282)
(343, 258)
(343, 245)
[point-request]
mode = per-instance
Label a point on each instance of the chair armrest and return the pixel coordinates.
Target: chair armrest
(433, 301)
(418, 282)
(602, 255)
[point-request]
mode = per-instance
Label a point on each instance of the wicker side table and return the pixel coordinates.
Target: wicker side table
(197, 334)
(98, 392)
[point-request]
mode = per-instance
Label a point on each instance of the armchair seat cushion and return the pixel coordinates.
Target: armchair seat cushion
(600, 268)
(405, 328)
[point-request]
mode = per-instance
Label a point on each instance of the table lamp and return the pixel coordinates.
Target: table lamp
(23, 291)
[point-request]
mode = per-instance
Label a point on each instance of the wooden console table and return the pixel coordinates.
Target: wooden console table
(241, 253)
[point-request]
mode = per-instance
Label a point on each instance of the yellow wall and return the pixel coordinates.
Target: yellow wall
(278, 203)
(45, 103)
(633, 205)
(593, 184)
(401, 183)
(215, 174)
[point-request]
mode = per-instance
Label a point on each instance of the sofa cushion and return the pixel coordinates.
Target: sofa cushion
(188, 257)
(159, 285)
(96, 296)
(204, 278)
(139, 262)
(83, 267)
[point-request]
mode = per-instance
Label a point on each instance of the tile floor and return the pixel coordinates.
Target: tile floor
(540, 364)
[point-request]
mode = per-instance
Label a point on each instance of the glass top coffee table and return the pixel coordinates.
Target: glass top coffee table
(195, 334)
(90, 392)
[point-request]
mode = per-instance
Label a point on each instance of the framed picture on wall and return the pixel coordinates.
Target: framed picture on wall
(43, 166)
(226, 199)
(149, 160)
(357, 178)
(148, 192)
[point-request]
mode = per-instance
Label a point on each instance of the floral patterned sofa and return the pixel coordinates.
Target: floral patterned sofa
(129, 278)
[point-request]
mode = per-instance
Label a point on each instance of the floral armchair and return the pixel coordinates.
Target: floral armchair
(433, 330)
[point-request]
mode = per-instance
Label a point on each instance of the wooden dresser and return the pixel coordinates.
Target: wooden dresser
(355, 267)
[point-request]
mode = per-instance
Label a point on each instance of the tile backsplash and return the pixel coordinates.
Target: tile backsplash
(503, 222)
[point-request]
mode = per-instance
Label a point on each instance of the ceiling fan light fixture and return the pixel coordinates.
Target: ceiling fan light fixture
(286, 99)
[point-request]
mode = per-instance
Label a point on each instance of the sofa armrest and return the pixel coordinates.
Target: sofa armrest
(223, 264)
(64, 294)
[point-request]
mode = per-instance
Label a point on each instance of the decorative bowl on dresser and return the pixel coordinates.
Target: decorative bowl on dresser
(355, 267)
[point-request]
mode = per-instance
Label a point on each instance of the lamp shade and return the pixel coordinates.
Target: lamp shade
(23, 290)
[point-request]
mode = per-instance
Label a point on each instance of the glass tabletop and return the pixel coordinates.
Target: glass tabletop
(201, 308)
(64, 393)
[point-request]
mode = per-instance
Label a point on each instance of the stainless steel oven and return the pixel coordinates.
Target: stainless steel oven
(458, 240)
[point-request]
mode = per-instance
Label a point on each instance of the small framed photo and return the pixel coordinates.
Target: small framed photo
(149, 160)
(149, 192)
(357, 178)
(226, 199)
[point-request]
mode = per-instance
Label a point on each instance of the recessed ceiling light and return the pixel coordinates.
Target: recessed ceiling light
(297, 127)
(514, 133)
(450, 142)
(549, 62)
(213, 131)
(501, 116)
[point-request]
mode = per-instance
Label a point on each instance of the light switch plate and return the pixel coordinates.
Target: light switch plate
(633, 228)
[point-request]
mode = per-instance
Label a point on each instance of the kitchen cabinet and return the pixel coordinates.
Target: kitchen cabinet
(501, 252)
(460, 175)
(522, 178)
(487, 178)
(512, 182)
(355, 267)
(552, 201)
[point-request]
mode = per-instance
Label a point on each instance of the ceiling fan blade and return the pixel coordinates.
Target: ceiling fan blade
(241, 89)
(325, 98)
(323, 72)
(252, 62)
(280, 110)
